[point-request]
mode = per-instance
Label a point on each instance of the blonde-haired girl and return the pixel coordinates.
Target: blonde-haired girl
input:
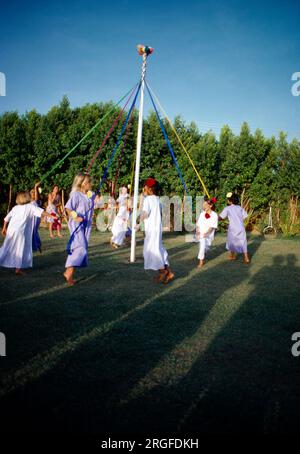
(79, 208)
(16, 251)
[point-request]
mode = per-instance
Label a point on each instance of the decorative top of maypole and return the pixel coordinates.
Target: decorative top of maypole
(144, 50)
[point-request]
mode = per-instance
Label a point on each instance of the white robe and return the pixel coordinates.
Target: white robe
(119, 227)
(204, 225)
(155, 255)
(16, 251)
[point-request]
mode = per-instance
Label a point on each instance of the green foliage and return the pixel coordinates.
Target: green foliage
(264, 171)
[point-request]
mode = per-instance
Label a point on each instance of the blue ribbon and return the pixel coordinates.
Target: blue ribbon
(119, 140)
(85, 219)
(168, 142)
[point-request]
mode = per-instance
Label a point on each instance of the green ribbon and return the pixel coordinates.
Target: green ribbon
(83, 138)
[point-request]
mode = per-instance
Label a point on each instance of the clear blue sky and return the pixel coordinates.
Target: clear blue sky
(215, 62)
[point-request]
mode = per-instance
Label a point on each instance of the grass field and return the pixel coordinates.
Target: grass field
(209, 352)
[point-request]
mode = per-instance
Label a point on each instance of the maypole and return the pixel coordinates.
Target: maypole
(144, 51)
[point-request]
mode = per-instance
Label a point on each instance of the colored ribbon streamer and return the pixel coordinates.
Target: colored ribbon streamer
(119, 139)
(168, 142)
(121, 156)
(179, 140)
(85, 219)
(60, 162)
(109, 133)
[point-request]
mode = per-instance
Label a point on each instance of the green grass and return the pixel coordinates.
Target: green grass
(209, 352)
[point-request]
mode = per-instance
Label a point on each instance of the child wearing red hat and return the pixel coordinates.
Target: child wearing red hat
(155, 255)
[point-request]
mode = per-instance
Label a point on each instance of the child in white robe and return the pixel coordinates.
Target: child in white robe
(120, 224)
(155, 255)
(205, 231)
(16, 251)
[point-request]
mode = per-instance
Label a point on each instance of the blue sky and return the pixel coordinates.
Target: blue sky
(214, 62)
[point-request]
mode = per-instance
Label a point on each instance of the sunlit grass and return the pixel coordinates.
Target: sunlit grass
(210, 351)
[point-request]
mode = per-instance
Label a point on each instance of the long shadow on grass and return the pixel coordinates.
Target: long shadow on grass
(66, 314)
(247, 379)
(107, 363)
(45, 309)
(132, 413)
(14, 287)
(258, 378)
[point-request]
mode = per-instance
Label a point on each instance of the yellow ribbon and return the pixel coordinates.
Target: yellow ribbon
(180, 141)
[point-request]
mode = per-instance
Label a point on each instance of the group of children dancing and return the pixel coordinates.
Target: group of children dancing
(207, 224)
(21, 224)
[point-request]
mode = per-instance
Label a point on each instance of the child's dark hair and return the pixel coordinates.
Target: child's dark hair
(234, 199)
(210, 200)
(156, 188)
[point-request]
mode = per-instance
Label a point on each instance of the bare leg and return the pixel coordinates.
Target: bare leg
(201, 255)
(59, 232)
(51, 230)
(201, 263)
(246, 258)
(161, 275)
(169, 276)
(232, 256)
(69, 274)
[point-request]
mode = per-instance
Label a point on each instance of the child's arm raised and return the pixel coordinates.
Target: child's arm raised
(36, 191)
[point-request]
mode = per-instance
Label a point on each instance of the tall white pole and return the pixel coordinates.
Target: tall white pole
(138, 161)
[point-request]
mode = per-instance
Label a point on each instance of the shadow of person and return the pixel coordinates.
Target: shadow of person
(118, 360)
(248, 380)
(291, 260)
(149, 391)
